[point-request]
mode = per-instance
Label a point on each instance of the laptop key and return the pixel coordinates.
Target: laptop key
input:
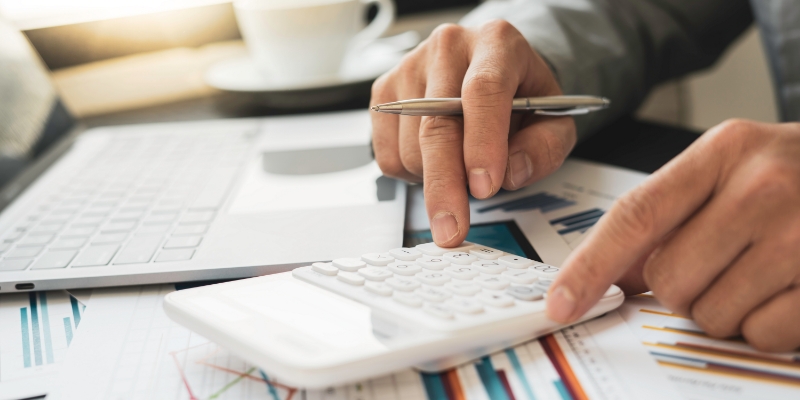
(96, 256)
(175, 255)
(182, 242)
(186, 230)
(140, 249)
(35, 240)
(106, 238)
(24, 252)
(68, 243)
(4, 247)
(15, 265)
(54, 259)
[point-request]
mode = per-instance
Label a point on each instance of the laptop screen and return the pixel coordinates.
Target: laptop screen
(32, 117)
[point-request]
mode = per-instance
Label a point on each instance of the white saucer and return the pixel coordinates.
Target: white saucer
(241, 75)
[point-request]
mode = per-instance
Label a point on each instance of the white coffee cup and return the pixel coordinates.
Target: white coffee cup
(307, 40)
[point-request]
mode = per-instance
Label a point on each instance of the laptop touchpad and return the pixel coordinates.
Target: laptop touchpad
(316, 161)
(312, 179)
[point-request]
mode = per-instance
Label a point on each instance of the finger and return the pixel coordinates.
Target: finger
(537, 150)
(757, 275)
(683, 266)
(441, 143)
(775, 326)
(412, 86)
(385, 133)
(493, 79)
(636, 221)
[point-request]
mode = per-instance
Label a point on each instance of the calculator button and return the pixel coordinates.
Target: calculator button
(432, 294)
(460, 257)
(519, 276)
(613, 290)
(349, 264)
(526, 293)
(543, 283)
(489, 267)
(378, 259)
(465, 306)
(325, 268)
(351, 278)
(434, 278)
(403, 284)
(404, 268)
(434, 263)
(405, 254)
(408, 299)
(462, 272)
(462, 288)
(439, 311)
(375, 273)
(492, 282)
(379, 288)
(544, 270)
(495, 300)
(432, 249)
(486, 253)
(515, 261)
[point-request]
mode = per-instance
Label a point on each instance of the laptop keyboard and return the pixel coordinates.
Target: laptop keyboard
(143, 199)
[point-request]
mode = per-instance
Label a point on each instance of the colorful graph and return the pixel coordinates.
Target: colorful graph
(36, 331)
(496, 380)
(545, 202)
(679, 345)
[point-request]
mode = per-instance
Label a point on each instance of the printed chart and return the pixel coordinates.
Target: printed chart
(36, 341)
(136, 352)
(702, 367)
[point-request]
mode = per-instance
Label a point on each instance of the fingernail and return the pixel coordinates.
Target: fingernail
(560, 304)
(444, 227)
(480, 183)
(520, 168)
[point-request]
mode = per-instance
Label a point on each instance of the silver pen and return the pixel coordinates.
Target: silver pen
(551, 105)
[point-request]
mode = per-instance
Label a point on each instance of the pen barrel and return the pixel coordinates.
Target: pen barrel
(432, 107)
(559, 103)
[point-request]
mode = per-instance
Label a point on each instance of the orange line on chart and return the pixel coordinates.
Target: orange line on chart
(666, 314)
(732, 354)
(690, 333)
(276, 384)
(726, 373)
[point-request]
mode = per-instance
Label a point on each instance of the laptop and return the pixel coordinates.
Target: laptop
(188, 201)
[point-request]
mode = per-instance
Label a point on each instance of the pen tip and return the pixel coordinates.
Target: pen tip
(375, 108)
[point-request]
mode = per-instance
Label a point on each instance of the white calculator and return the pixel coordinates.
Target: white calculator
(354, 318)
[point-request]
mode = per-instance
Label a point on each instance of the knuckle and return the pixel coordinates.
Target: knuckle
(498, 28)
(557, 151)
(759, 337)
(486, 82)
(716, 323)
(411, 161)
(447, 35)
(440, 131)
(634, 214)
(660, 281)
(771, 181)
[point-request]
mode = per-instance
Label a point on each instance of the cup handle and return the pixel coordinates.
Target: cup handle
(378, 26)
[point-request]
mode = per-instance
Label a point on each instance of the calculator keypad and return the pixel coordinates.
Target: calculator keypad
(464, 286)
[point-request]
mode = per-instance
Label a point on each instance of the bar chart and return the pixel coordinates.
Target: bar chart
(704, 366)
(32, 346)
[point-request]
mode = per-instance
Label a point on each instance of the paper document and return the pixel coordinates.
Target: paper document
(36, 331)
(572, 199)
(701, 367)
(129, 349)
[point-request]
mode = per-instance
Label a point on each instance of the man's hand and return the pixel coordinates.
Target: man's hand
(715, 234)
(487, 67)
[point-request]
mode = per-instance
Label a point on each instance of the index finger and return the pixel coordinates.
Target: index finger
(634, 224)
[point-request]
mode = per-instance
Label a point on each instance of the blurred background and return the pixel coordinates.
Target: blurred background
(115, 60)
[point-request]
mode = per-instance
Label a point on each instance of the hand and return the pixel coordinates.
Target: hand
(715, 234)
(487, 67)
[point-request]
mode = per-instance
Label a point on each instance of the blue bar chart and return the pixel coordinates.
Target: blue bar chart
(40, 329)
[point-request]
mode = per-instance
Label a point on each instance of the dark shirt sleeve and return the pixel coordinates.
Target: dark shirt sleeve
(620, 49)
